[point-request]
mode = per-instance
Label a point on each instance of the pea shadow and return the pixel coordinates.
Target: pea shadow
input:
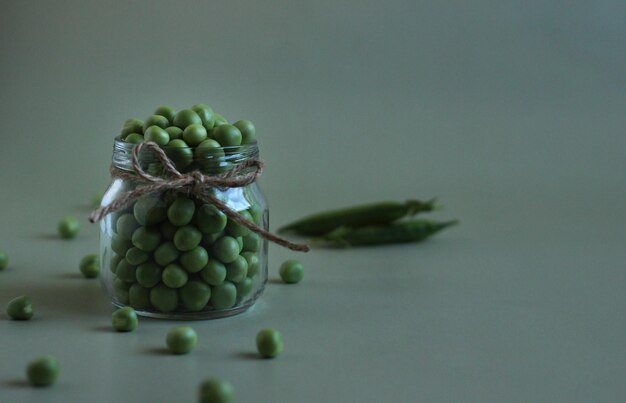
(71, 276)
(158, 351)
(56, 295)
(104, 329)
(248, 355)
(48, 236)
(17, 383)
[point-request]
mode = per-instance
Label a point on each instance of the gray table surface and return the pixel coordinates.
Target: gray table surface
(511, 112)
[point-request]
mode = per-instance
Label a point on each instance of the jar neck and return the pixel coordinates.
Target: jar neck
(209, 161)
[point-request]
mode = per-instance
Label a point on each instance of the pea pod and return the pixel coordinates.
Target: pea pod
(357, 216)
(404, 231)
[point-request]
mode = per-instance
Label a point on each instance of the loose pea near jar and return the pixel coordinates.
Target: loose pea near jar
(172, 255)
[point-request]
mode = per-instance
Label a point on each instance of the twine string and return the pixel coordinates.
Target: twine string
(196, 183)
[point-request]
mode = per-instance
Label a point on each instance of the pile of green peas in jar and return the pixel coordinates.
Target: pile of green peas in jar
(171, 252)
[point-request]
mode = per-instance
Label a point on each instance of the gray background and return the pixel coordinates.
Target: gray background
(512, 112)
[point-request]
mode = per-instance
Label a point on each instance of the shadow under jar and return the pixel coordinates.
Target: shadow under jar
(170, 255)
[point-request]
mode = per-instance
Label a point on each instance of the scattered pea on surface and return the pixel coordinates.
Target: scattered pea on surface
(68, 227)
(291, 271)
(43, 371)
(215, 390)
(20, 308)
(90, 266)
(4, 260)
(181, 339)
(269, 343)
(124, 319)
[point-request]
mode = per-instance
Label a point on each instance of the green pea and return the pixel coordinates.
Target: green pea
(226, 249)
(43, 371)
(214, 273)
(4, 260)
(90, 266)
(136, 256)
(139, 297)
(149, 210)
(245, 286)
(224, 296)
(240, 243)
(206, 115)
(194, 134)
(119, 245)
(126, 271)
(253, 262)
(187, 237)
(269, 343)
(180, 153)
(256, 213)
(147, 239)
(195, 295)
(215, 390)
(120, 288)
(210, 219)
(181, 211)
(227, 135)
(157, 135)
(68, 227)
(219, 120)
(126, 225)
(168, 230)
(174, 276)
(251, 242)
(181, 339)
(114, 261)
(237, 270)
(134, 138)
(132, 126)
(194, 260)
(209, 154)
(166, 253)
(209, 239)
(164, 298)
(291, 271)
(186, 117)
(234, 229)
(148, 274)
(124, 319)
(247, 129)
(166, 112)
(155, 120)
(20, 308)
(174, 132)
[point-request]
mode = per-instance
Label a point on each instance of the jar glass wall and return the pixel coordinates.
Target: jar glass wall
(171, 255)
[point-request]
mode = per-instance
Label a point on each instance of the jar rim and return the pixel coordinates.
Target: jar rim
(208, 160)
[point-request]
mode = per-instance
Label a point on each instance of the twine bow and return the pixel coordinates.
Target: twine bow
(195, 183)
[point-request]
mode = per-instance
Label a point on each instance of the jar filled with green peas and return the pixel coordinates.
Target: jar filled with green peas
(181, 219)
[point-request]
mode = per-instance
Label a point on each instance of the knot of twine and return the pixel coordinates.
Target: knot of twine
(194, 183)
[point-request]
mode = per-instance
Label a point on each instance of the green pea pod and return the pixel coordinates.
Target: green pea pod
(400, 232)
(357, 216)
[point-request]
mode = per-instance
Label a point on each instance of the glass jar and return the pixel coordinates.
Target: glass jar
(171, 255)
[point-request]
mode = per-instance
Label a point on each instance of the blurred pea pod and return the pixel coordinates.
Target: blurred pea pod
(399, 232)
(357, 216)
